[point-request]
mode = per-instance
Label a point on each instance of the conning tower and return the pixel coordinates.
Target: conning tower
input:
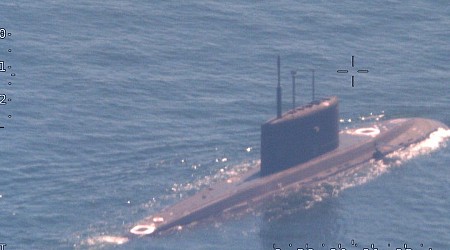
(299, 134)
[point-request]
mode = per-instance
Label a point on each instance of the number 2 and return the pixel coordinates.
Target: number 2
(2, 99)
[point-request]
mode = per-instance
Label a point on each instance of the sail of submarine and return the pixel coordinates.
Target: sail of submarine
(298, 148)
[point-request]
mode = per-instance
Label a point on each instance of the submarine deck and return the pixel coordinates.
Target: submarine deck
(356, 146)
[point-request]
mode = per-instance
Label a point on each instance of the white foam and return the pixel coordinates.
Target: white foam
(158, 219)
(229, 174)
(433, 142)
(365, 118)
(367, 172)
(109, 239)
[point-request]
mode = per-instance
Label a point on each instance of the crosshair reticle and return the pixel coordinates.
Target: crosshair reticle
(358, 71)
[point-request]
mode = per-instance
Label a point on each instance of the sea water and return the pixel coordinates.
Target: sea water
(121, 108)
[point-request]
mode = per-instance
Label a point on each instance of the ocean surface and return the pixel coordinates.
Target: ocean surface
(121, 108)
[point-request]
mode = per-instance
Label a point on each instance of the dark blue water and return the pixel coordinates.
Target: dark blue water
(118, 108)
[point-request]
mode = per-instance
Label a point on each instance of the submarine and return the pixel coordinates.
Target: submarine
(300, 147)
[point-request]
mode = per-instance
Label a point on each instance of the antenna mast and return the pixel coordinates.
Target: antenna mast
(293, 72)
(313, 89)
(278, 90)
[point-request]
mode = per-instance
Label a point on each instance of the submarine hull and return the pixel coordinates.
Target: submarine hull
(356, 146)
